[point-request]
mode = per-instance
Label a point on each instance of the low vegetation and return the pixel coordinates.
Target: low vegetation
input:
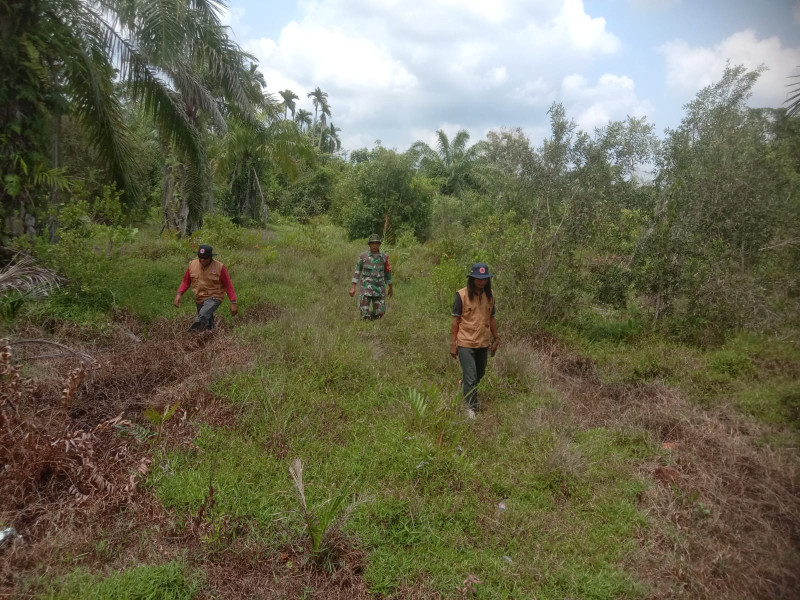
(599, 467)
(639, 427)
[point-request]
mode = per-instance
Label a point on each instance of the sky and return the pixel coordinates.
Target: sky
(399, 70)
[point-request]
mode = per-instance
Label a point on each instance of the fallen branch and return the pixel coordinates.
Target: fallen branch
(73, 351)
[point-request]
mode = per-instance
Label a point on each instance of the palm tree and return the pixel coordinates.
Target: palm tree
(172, 58)
(318, 98)
(794, 99)
(332, 138)
(248, 154)
(256, 78)
(289, 104)
(303, 117)
(453, 164)
(325, 111)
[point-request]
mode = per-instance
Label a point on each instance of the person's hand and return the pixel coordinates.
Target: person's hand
(391, 290)
(454, 350)
(352, 290)
(234, 309)
(495, 344)
(177, 300)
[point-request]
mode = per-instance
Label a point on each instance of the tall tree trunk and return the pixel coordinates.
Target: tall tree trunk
(167, 191)
(264, 212)
(52, 219)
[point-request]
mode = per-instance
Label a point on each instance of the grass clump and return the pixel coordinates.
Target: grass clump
(171, 581)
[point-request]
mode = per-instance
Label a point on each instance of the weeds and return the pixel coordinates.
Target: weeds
(159, 419)
(437, 414)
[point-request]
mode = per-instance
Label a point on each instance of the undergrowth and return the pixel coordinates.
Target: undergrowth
(601, 459)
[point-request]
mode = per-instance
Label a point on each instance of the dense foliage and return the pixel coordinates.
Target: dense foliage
(694, 234)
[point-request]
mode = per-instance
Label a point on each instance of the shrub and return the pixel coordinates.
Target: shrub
(219, 231)
(731, 363)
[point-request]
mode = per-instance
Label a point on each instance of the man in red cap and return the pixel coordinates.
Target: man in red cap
(210, 282)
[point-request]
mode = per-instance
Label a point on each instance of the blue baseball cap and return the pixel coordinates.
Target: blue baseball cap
(480, 271)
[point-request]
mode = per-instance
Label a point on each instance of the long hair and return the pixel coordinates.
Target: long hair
(471, 291)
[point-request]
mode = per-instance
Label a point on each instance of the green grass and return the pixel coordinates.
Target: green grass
(333, 391)
(171, 581)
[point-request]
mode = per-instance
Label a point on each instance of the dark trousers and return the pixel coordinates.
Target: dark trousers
(205, 314)
(473, 366)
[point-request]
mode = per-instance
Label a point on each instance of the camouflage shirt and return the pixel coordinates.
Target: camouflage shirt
(374, 272)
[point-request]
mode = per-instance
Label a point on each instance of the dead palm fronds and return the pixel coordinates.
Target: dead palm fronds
(24, 276)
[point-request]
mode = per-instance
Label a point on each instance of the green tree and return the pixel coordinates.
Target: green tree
(318, 99)
(794, 98)
(249, 157)
(453, 165)
(324, 113)
(728, 199)
(86, 58)
(388, 196)
(303, 117)
(289, 103)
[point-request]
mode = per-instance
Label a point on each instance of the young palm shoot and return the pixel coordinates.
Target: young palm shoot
(321, 520)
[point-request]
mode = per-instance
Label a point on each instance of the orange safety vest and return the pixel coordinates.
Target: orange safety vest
(476, 314)
(205, 282)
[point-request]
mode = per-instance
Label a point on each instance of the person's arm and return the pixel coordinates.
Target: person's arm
(185, 283)
(225, 280)
(356, 275)
(456, 323)
(387, 275)
(495, 337)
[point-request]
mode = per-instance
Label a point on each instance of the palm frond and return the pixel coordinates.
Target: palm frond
(794, 99)
(24, 276)
(444, 146)
(194, 92)
(459, 142)
(89, 81)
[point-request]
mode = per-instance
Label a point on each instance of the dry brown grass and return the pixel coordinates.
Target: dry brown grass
(71, 461)
(250, 572)
(724, 509)
(71, 479)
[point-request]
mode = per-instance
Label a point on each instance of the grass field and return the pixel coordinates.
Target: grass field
(596, 469)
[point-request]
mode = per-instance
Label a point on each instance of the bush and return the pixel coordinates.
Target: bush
(219, 231)
(731, 363)
(447, 278)
(597, 327)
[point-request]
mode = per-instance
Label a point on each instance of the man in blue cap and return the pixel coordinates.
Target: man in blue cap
(473, 332)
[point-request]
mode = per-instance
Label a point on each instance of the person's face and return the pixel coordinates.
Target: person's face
(374, 247)
(205, 262)
(480, 283)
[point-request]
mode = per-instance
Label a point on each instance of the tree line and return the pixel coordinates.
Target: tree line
(118, 110)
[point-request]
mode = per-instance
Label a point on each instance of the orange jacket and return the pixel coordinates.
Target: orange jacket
(474, 329)
(211, 282)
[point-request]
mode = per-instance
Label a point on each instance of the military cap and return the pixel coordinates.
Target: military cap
(374, 238)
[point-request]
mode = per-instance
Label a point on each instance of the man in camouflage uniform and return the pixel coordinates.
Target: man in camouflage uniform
(375, 273)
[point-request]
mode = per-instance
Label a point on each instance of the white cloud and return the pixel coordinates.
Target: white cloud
(584, 32)
(654, 4)
(389, 63)
(534, 93)
(233, 17)
(691, 68)
(613, 97)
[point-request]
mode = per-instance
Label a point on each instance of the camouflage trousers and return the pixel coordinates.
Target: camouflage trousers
(378, 308)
